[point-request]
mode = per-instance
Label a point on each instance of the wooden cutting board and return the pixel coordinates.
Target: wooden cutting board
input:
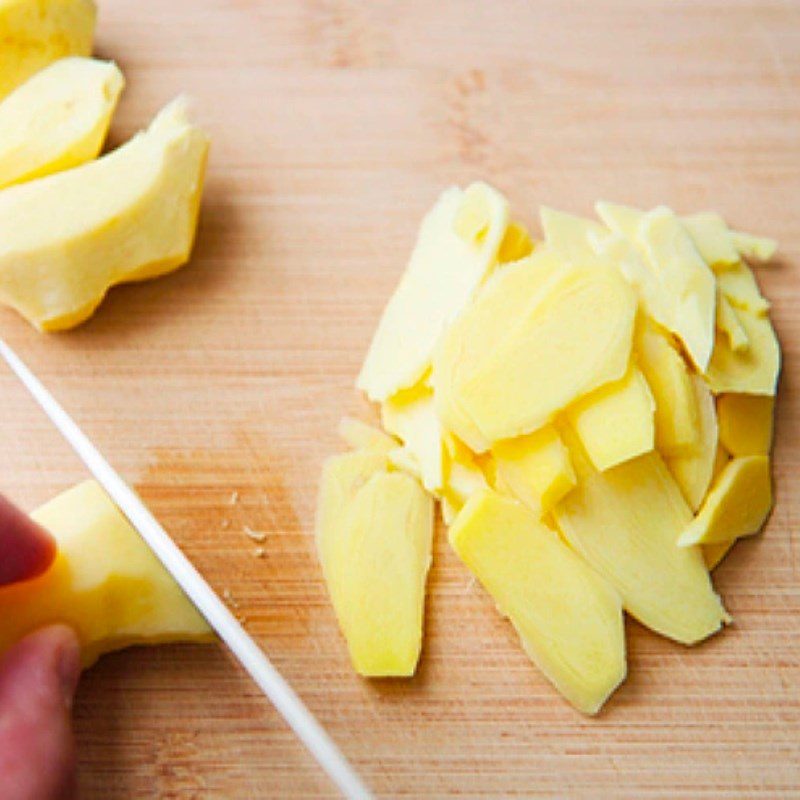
(335, 123)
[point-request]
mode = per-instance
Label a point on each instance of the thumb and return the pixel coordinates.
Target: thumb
(26, 549)
(38, 677)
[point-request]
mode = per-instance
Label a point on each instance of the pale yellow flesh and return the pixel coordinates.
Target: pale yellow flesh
(568, 618)
(738, 284)
(625, 522)
(757, 248)
(105, 583)
(570, 235)
(728, 322)
(376, 554)
(524, 378)
(745, 423)
(535, 469)
(360, 435)
(516, 244)
(693, 472)
(712, 238)
(410, 415)
(342, 477)
(58, 119)
(34, 33)
(676, 416)
(446, 267)
(129, 216)
(736, 506)
(754, 370)
(505, 297)
(616, 422)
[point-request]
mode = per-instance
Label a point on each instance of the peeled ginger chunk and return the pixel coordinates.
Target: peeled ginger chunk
(756, 248)
(712, 238)
(376, 554)
(535, 469)
(523, 378)
(625, 523)
(745, 423)
(34, 33)
(736, 506)
(456, 247)
(131, 215)
(570, 235)
(616, 422)
(57, 119)
(105, 583)
(569, 619)
(693, 471)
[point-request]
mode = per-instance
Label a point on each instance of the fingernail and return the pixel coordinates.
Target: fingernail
(69, 671)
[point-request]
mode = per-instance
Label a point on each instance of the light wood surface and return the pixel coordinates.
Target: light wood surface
(335, 123)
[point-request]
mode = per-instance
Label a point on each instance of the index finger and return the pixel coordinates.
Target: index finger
(26, 549)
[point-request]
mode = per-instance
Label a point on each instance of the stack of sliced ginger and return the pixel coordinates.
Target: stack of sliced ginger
(593, 412)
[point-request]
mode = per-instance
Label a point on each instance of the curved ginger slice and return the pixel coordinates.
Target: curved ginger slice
(58, 119)
(105, 583)
(131, 215)
(36, 32)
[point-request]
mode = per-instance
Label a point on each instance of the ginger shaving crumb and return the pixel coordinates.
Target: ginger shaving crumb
(256, 536)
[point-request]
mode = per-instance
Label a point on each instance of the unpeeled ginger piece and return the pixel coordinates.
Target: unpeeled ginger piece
(456, 247)
(34, 33)
(129, 216)
(105, 583)
(745, 423)
(736, 506)
(625, 523)
(58, 119)
(569, 619)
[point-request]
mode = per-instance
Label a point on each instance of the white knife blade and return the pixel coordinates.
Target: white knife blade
(216, 613)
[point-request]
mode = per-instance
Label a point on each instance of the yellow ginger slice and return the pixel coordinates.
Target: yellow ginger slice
(756, 248)
(463, 477)
(686, 279)
(676, 417)
(729, 323)
(35, 33)
(342, 476)
(456, 247)
(105, 583)
(568, 618)
(754, 370)
(521, 377)
(623, 220)
(693, 472)
(504, 297)
(58, 119)
(411, 416)
(129, 216)
(516, 244)
(712, 238)
(738, 285)
(736, 506)
(625, 523)
(380, 573)
(535, 469)
(616, 422)
(361, 436)
(570, 235)
(745, 423)
(715, 553)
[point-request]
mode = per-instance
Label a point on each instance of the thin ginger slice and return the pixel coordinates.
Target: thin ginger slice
(569, 619)
(745, 423)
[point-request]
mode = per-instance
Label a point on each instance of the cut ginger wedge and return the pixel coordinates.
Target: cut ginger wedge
(105, 583)
(569, 619)
(58, 119)
(129, 216)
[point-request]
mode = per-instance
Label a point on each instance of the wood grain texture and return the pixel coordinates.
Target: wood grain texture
(335, 123)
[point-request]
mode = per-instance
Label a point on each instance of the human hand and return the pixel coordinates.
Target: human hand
(38, 677)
